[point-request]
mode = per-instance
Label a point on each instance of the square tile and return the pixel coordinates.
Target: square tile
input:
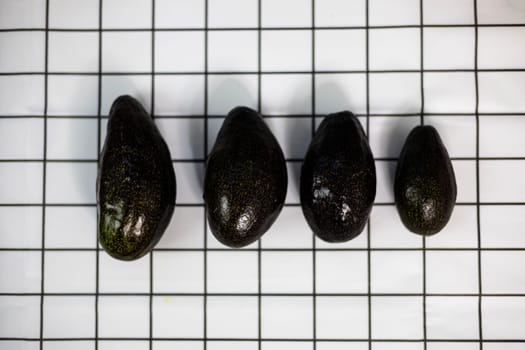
(123, 344)
(179, 13)
(286, 345)
(186, 229)
(178, 272)
(70, 272)
(460, 232)
(229, 91)
(499, 92)
(287, 317)
(21, 138)
(342, 345)
(72, 13)
(232, 271)
(123, 316)
(126, 51)
(126, 14)
(69, 317)
(292, 134)
(71, 95)
(20, 316)
(231, 345)
(73, 52)
(452, 317)
(438, 12)
(170, 45)
(22, 95)
(397, 48)
(60, 220)
(500, 136)
(450, 92)
(290, 230)
(184, 137)
(23, 14)
(398, 346)
(396, 272)
(385, 172)
(138, 86)
(448, 48)
(14, 220)
(400, 12)
(178, 317)
(290, 13)
(22, 52)
(332, 272)
(456, 346)
(189, 182)
(503, 317)
(20, 272)
(340, 13)
(340, 92)
(501, 272)
(70, 138)
(389, 231)
(397, 317)
(340, 49)
(286, 272)
(186, 345)
(452, 272)
(71, 183)
(292, 194)
(286, 94)
(395, 93)
(179, 95)
(221, 16)
(232, 51)
(388, 134)
(500, 11)
(465, 171)
(458, 133)
(232, 317)
(117, 276)
(66, 345)
(498, 233)
(501, 346)
(286, 50)
(342, 317)
(501, 180)
(25, 182)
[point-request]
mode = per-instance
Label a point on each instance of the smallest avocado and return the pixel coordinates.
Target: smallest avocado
(425, 185)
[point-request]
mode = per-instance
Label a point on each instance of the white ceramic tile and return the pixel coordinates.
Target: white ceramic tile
(186, 345)
(438, 12)
(179, 51)
(184, 137)
(500, 136)
(500, 92)
(138, 86)
(20, 316)
(186, 229)
(71, 183)
(342, 317)
(341, 272)
(396, 272)
(179, 13)
(14, 220)
(178, 317)
(71, 227)
(21, 95)
(287, 13)
(286, 50)
(400, 12)
(287, 317)
(179, 95)
(292, 134)
(226, 92)
(22, 52)
(501, 11)
(20, 272)
(220, 14)
(69, 138)
(503, 318)
(69, 317)
(71, 95)
(126, 51)
(452, 317)
(452, 272)
(23, 14)
(25, 182)
(189, 182)
(66, 345)
(231, 345)
(286, 272)
(458, 134)
(232, 317)
(232, 272)
(73, 13)
(501, 226)
(73, 52)
(339, 92)
(502, 180)
(70, 272)
(448, 48)
(123, 316)
(340, 49)
(500, 272)
(21, 138)
(450, 92)
(286, 94)
(395, 93)
(397, 317)
(178, 272)
(389, 231)
(388, 134)
(126, 14)
(117, 276)
(232, 51)
(288, 231)
(397, 48)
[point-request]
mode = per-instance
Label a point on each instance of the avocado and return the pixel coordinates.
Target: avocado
(245, 181)
(425, 184)
(136, 182)
(338, 179)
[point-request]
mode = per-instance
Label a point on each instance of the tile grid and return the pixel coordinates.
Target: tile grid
(259, 250)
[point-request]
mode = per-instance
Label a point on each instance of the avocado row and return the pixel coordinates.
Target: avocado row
(246, 181)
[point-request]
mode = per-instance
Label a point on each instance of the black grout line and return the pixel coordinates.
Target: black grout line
(200, 29)
(44, 171)
(205, 243)
(152, 112)
(478, 216)
(99, 139)
(268, 72)
(369, 229)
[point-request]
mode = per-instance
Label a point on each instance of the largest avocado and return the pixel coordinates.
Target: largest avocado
(136, 182)
(246, 179)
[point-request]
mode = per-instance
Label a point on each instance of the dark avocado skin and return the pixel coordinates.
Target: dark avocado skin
(338, 179)
(425, 184)
(246, 179)
(136, 183)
